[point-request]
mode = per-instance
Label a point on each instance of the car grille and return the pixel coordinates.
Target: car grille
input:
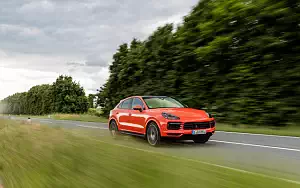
(174, 125)
(199, 125)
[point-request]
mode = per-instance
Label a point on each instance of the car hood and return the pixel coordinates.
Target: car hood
(185, 113)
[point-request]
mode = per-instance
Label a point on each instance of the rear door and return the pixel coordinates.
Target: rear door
(124, 114)
(138, 119)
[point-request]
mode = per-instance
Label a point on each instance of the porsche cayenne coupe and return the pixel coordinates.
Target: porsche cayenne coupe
(159, 117)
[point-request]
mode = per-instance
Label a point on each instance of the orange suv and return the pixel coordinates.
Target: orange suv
(158, 117)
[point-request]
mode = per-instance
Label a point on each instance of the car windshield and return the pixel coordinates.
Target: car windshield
(162, 102)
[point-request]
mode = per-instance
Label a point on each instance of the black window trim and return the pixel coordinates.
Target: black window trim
(119, 105)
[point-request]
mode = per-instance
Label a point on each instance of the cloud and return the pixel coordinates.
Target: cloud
(42, 5)
(77, 37)
(75, 64)
(20, 80)
(96, 60)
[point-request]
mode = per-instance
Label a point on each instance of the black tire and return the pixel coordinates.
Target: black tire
(113, 129)
(201, 139)
(153, 134)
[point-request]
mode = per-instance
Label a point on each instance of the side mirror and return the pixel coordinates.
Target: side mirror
(138, 107)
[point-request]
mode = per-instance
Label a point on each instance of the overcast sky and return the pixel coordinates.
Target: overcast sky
(41, 39)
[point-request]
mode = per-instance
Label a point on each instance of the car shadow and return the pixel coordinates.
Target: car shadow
(185, 144)
(174, 143)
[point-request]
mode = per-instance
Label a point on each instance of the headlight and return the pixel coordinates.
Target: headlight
(169, 116)
(209, 115)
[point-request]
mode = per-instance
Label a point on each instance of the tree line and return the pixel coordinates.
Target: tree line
(238, 59)
(63, 96)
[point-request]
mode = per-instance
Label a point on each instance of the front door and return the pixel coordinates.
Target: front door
(138, 119)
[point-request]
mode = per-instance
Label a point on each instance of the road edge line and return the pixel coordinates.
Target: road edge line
(258, 134)
(256, 145)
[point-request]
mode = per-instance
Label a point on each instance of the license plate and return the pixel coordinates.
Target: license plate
(199, 132)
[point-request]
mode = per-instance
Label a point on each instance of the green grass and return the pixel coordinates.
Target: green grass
(79, 117)
(38, 156)
(281, 131)
(73, 117)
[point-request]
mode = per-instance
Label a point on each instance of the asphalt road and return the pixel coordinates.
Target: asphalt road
(275, 155)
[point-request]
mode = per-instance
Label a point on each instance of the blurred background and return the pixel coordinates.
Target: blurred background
(238, 59)
(75, 60)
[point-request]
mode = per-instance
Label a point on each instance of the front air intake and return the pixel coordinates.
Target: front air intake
(173, 125)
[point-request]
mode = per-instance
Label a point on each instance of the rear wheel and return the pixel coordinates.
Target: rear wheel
(153, 135)
(113, 128)
(202, 139)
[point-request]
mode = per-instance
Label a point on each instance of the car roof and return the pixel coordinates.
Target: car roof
(144, 96)
(153, 96)
(148, 96)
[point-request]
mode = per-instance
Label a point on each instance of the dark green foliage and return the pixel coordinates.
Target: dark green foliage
(68, 96)
(63, 96)
(238, 59)
(91, 98)
(38, 100)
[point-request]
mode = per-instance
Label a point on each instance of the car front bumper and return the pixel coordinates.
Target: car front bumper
(181, 134)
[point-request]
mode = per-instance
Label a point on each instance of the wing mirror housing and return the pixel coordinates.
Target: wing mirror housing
(138, 107)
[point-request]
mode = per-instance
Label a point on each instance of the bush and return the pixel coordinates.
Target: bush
(95, 112)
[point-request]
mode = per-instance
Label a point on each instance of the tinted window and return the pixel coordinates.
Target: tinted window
(137, 101)
(162, 102)
(126, 104)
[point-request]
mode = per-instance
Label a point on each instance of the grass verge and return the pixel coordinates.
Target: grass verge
(38, 156)
(72, 117)
(79, 117)
(282, 131)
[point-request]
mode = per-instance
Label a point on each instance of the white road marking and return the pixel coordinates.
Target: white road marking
(254, 134)
(91, 127)
(256, 145)
(45, 121)
(207, 163)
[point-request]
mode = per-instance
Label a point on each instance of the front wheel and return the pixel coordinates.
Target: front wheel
(153, 135)
(202, 139)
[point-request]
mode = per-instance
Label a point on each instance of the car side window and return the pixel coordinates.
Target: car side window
(137, 101)
(126, 104)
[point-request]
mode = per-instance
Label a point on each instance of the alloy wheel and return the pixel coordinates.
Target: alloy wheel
(153, 135)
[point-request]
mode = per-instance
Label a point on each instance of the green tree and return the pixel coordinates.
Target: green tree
(68, 96)
(63, 96)
(91, 98)
(236, 58)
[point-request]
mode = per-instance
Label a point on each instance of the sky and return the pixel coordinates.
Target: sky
(42, 39)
